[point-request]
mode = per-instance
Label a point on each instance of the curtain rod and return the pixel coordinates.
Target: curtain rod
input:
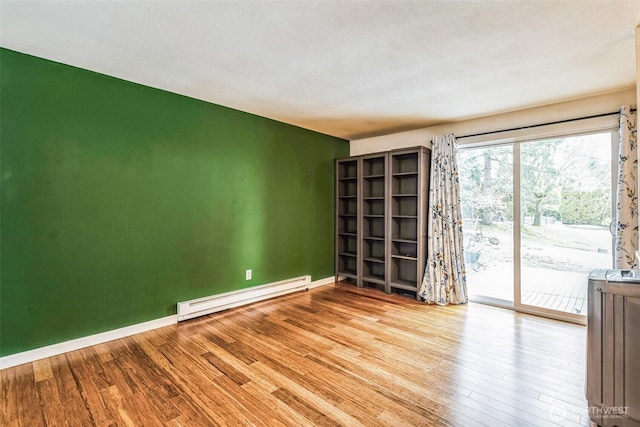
(543, 124)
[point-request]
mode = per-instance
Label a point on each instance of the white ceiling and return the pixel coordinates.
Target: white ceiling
(350, 69)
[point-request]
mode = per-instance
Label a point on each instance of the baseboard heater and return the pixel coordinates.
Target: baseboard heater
(212, 304)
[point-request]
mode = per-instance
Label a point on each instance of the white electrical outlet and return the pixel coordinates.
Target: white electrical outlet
(248, 274)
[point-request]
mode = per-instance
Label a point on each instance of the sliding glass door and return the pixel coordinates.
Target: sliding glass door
(486, 192)
(536, 221)
(566, 210)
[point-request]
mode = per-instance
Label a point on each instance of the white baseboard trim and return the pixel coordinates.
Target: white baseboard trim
(322, 282)
(76, 344)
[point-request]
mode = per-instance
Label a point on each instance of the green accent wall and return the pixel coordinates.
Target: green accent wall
(119, 200)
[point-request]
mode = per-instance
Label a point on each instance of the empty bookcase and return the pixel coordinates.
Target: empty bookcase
(347, 252)
(374, 220)
(381, 219)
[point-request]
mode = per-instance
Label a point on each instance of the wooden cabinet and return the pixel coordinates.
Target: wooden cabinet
(613, 346)
(383, 197)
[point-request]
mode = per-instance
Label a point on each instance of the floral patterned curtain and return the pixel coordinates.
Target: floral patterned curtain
(445, 280)
(626, 224)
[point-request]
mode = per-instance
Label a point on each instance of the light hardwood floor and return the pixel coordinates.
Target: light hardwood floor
(331, 356)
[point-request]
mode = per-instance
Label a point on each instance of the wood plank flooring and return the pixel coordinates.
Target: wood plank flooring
(332, 356)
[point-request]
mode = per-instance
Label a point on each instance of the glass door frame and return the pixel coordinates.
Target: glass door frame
(603, 125)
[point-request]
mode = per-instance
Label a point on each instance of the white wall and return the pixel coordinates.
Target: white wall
(603, 103)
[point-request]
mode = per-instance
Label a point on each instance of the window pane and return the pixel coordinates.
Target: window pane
(566, 212)
(486, 192)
